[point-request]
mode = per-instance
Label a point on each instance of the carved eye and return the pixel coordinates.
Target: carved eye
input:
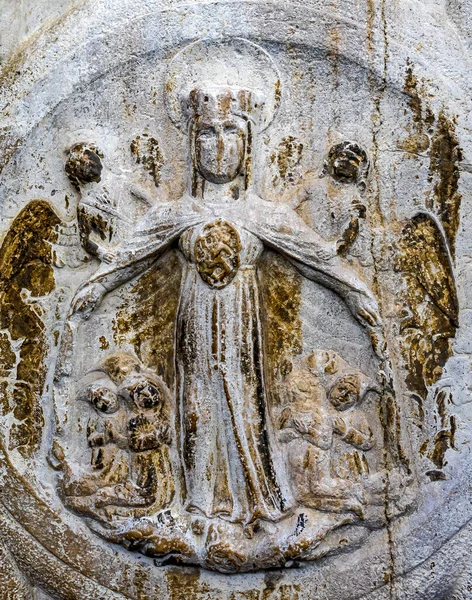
(206, 133)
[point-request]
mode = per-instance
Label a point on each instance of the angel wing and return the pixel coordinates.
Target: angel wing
(26, 279)
(431, 297)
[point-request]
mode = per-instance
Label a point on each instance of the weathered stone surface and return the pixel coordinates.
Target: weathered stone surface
(235, 333)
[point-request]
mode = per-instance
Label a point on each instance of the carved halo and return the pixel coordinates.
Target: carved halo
(232, 63)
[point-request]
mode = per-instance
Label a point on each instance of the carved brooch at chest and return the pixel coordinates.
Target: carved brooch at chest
(217, 253)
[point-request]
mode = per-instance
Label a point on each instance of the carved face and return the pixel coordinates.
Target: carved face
(103, 399)
(345, 393)
(143, 393)
(305, 389)
(84, 165)
(346, 166)
(220, 146)
(143, 434)
(345, 162)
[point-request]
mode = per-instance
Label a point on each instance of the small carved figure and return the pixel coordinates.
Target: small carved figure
(109, 461)
(148, 430)
(84, 166)
(307, 426)
(306, 430)
(348, 163)
(351, 424)
(128, 435)
(352, 427)
(222, 389)
(230, 469)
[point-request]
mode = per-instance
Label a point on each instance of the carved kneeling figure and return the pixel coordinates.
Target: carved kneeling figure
(128, 434)
(319, 412)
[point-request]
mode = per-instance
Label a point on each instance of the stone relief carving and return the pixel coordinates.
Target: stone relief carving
(246, 473)
(228, 339)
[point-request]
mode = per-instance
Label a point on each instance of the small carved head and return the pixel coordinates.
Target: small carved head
(305, 389)
(103, 399)
(143, 434)
(348, 163)
(220, 130)
(322, 362)
(84, 165)
(142, 392)
(346, 392)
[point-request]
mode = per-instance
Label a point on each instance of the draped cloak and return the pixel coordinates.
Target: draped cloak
(226, 441)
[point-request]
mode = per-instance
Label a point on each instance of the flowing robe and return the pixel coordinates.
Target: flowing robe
(226, 441)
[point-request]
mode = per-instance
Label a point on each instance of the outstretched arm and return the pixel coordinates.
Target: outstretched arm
(284, 231)
(108, 277)
(158, 230)
(351, 288)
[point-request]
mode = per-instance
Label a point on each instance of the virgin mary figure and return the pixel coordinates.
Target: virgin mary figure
(221, 228)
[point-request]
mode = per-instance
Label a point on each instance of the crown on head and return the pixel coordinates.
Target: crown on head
(223, 102)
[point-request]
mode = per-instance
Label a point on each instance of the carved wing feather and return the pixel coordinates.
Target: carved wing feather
(26, 276)
(431, 296)
(426, 258)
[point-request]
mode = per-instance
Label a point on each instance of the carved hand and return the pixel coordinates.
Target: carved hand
(328, 251)
(364, 308)
(88, 298)
(105, 255)
(339, 426)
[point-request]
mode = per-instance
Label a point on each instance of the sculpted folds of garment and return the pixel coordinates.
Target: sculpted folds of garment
(220, 390)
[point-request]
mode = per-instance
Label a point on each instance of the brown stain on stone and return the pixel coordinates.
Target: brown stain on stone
(7, 364)
(271, 582)
(445, 157)
(275, 590)
(370, 18)
(439, 136)
(147, 152)
(250, 595)
(91, 221)
(26, 258)
(411, 89)
(432, 320)
(289, 592)
(185, 584)
(286, 158)
(12, 581)
(445, 437)
(416, 143)
(334, 39)
(272, 590)
(278, 93)
(281, 305)
(148, 319)
(423, 117)
(104, 343)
